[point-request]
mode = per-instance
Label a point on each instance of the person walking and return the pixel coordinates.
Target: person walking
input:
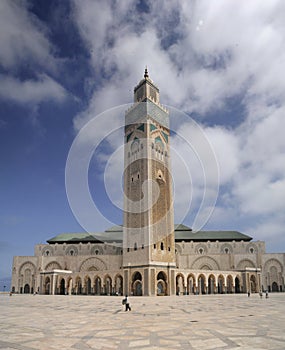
(127, 303)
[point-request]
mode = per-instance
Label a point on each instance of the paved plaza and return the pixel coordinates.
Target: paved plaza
(30, 322)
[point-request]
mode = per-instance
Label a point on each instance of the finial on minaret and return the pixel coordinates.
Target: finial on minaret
(145, 73)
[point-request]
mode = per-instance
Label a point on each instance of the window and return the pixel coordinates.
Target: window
(154, 246)
(161, 246)
(201, 250)
(135, 246)
(251, 250)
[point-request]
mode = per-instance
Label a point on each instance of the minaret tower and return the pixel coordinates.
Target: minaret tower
(149, 248)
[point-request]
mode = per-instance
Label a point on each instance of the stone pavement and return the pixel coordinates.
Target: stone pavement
(186, 322)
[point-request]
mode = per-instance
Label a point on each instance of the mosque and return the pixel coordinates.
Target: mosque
(148, 255)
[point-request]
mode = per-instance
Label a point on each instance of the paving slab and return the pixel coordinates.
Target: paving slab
(235, 321)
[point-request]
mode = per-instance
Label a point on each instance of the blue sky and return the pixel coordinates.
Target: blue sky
(63, 63)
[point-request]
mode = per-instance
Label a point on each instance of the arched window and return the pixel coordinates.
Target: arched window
(161, 246)
(135, 246)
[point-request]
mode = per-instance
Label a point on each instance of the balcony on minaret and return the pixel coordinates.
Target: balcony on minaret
(146, 90)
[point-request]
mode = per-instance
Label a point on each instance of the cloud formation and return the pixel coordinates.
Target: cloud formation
(26, 49)
(203, 55)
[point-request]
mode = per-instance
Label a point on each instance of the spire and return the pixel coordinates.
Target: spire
(146, 73)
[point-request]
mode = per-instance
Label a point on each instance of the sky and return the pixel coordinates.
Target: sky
(67, 73)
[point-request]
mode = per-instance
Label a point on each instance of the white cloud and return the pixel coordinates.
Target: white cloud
(22, 37)
(31, 91)
(201, 54)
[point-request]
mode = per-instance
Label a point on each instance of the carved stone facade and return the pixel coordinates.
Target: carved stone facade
(97, 269)
(148, 256)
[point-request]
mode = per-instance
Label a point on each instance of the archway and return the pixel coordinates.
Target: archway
(275, 287)
(88, 286)
(27, 289)
(179, 284)
(108, 285)
(202, 284)
(229, 284)
(137, 288)
(69, 286)
(119, 285)
(221, 284)
(253, 286)
(237, 285)
(97, 285)
(78, 286)
(161, 286)
(211, 284)
(47, 286)
(191, 284)
(62, 287)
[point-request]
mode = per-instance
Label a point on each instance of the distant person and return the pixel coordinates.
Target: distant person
(266, 294)
(126, 302)
(260, 294)
(248, 293)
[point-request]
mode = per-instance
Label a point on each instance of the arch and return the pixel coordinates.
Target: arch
(161, 287)
(97, 285)
(78, 285)
(27, 265)
(97, 250)
(230, 284)
(137, 276)
(251, 248)
(273, 262)
(47, 251)
(191, 284)
(201, 248)
(161, 276)
(205, 261)
(179, 284)
(71, 250)
(211, 284)
(202, 284)
(238, 284)
(221, 284)
(69, 286)
(136, 283)
(178, 249)
(47, 286)
(253, 284)
(107, 285)
(87, 285)
(226, 248)
(274, 287)
(93, 264)
(137, 288)
(245, 263)
(27, 289)
(53, 265)
(62, 287)
(118, 287)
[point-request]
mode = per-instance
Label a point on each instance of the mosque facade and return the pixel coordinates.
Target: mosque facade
(148, 255)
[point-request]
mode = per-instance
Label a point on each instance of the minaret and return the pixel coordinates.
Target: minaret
(149, 249)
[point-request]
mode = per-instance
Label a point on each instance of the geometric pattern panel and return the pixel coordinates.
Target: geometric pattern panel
(203, 262)
(93, 264)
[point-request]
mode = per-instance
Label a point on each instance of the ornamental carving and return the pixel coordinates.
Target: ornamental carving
(94, 264)
(203, 261)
